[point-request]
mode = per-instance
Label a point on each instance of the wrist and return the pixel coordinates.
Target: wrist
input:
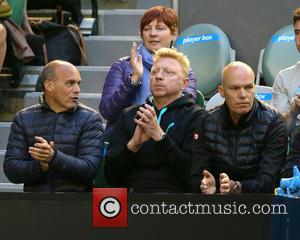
(44, 166)
(133, 147)
(161, 136)
(135, 80)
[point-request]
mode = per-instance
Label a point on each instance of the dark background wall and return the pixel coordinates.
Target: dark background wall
(249, 24)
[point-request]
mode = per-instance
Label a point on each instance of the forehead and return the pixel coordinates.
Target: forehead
(167, 62)
(238, 76)
(66, 72)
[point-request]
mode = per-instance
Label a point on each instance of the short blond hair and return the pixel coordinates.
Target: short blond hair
(174, 54)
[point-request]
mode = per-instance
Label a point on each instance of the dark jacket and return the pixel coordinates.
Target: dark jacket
(161, 166)
(252, 152)
(118, 93)
(77, 137)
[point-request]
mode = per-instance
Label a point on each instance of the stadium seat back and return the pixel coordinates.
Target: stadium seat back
(209, 51)
(280, 53)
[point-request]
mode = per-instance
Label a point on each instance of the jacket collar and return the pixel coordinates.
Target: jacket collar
(185, 99)
(44, 105)
(245, 120)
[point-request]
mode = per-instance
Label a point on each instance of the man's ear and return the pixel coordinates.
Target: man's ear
(221, 90)
(186, 82)
(48, 85)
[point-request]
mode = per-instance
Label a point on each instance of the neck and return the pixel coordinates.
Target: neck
(161, 102)
(235, 118)
(52, 105)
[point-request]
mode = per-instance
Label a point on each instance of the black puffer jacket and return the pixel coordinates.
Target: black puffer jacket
(252, 152)
(162, 166)
(77, 137)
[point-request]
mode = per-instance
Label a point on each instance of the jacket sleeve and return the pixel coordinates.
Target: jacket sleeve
(178, 158)
(192, 87)
(119, 159)
(272, 158)
(118, 92)
(18, 166)
(201, 159)
(84, 166)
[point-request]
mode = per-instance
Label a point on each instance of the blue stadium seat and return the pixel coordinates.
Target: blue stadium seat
(209, 50)
(279, 54)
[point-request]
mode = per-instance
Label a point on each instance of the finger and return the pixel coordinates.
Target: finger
(38, 156)
(52, 144)
(40, 139)
(39, 150)
(42, 146)
(140, 59)
(207, 174)
(140, 123)
(224, 176)
(133, 51)
(225, 186)
(145, 115)
(151, 110)
(146, 112)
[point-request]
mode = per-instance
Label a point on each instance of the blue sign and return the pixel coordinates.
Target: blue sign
(283, 38)
(197, 39)
(264, 96)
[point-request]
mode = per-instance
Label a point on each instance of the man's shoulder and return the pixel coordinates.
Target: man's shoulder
(215, 113)
(30, 110)
(291, 71)
(267, 113)
(87, 111)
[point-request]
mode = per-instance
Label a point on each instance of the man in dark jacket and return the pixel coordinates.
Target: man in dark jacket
(151, 146)
(242, 144)
(55, 145)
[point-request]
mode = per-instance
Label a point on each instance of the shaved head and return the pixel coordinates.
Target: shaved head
(237, 68)
(238, 89)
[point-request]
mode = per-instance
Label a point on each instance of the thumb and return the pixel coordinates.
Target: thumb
(207, 174)
(140, 58)
(223, 176)
(52, 144)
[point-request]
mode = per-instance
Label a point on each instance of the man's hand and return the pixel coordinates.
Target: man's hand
(208, 183)
(148, 121)
(295, 108)
(136, 65)
(42, 150)
(138, 138)
(226, 185)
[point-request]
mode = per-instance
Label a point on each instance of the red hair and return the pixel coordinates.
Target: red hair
(162, 14)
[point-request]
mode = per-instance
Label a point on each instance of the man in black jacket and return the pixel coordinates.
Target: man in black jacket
(242, 144)
(151, 146)
(55, 145)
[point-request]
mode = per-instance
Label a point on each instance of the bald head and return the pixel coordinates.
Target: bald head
(238, 89)
(49, 71)
(237, 70)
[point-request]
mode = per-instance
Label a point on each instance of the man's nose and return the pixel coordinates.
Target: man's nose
(160, 75)
(242, 93)
(76, 88)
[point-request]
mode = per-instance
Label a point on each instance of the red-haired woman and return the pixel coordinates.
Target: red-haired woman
(127, 82)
